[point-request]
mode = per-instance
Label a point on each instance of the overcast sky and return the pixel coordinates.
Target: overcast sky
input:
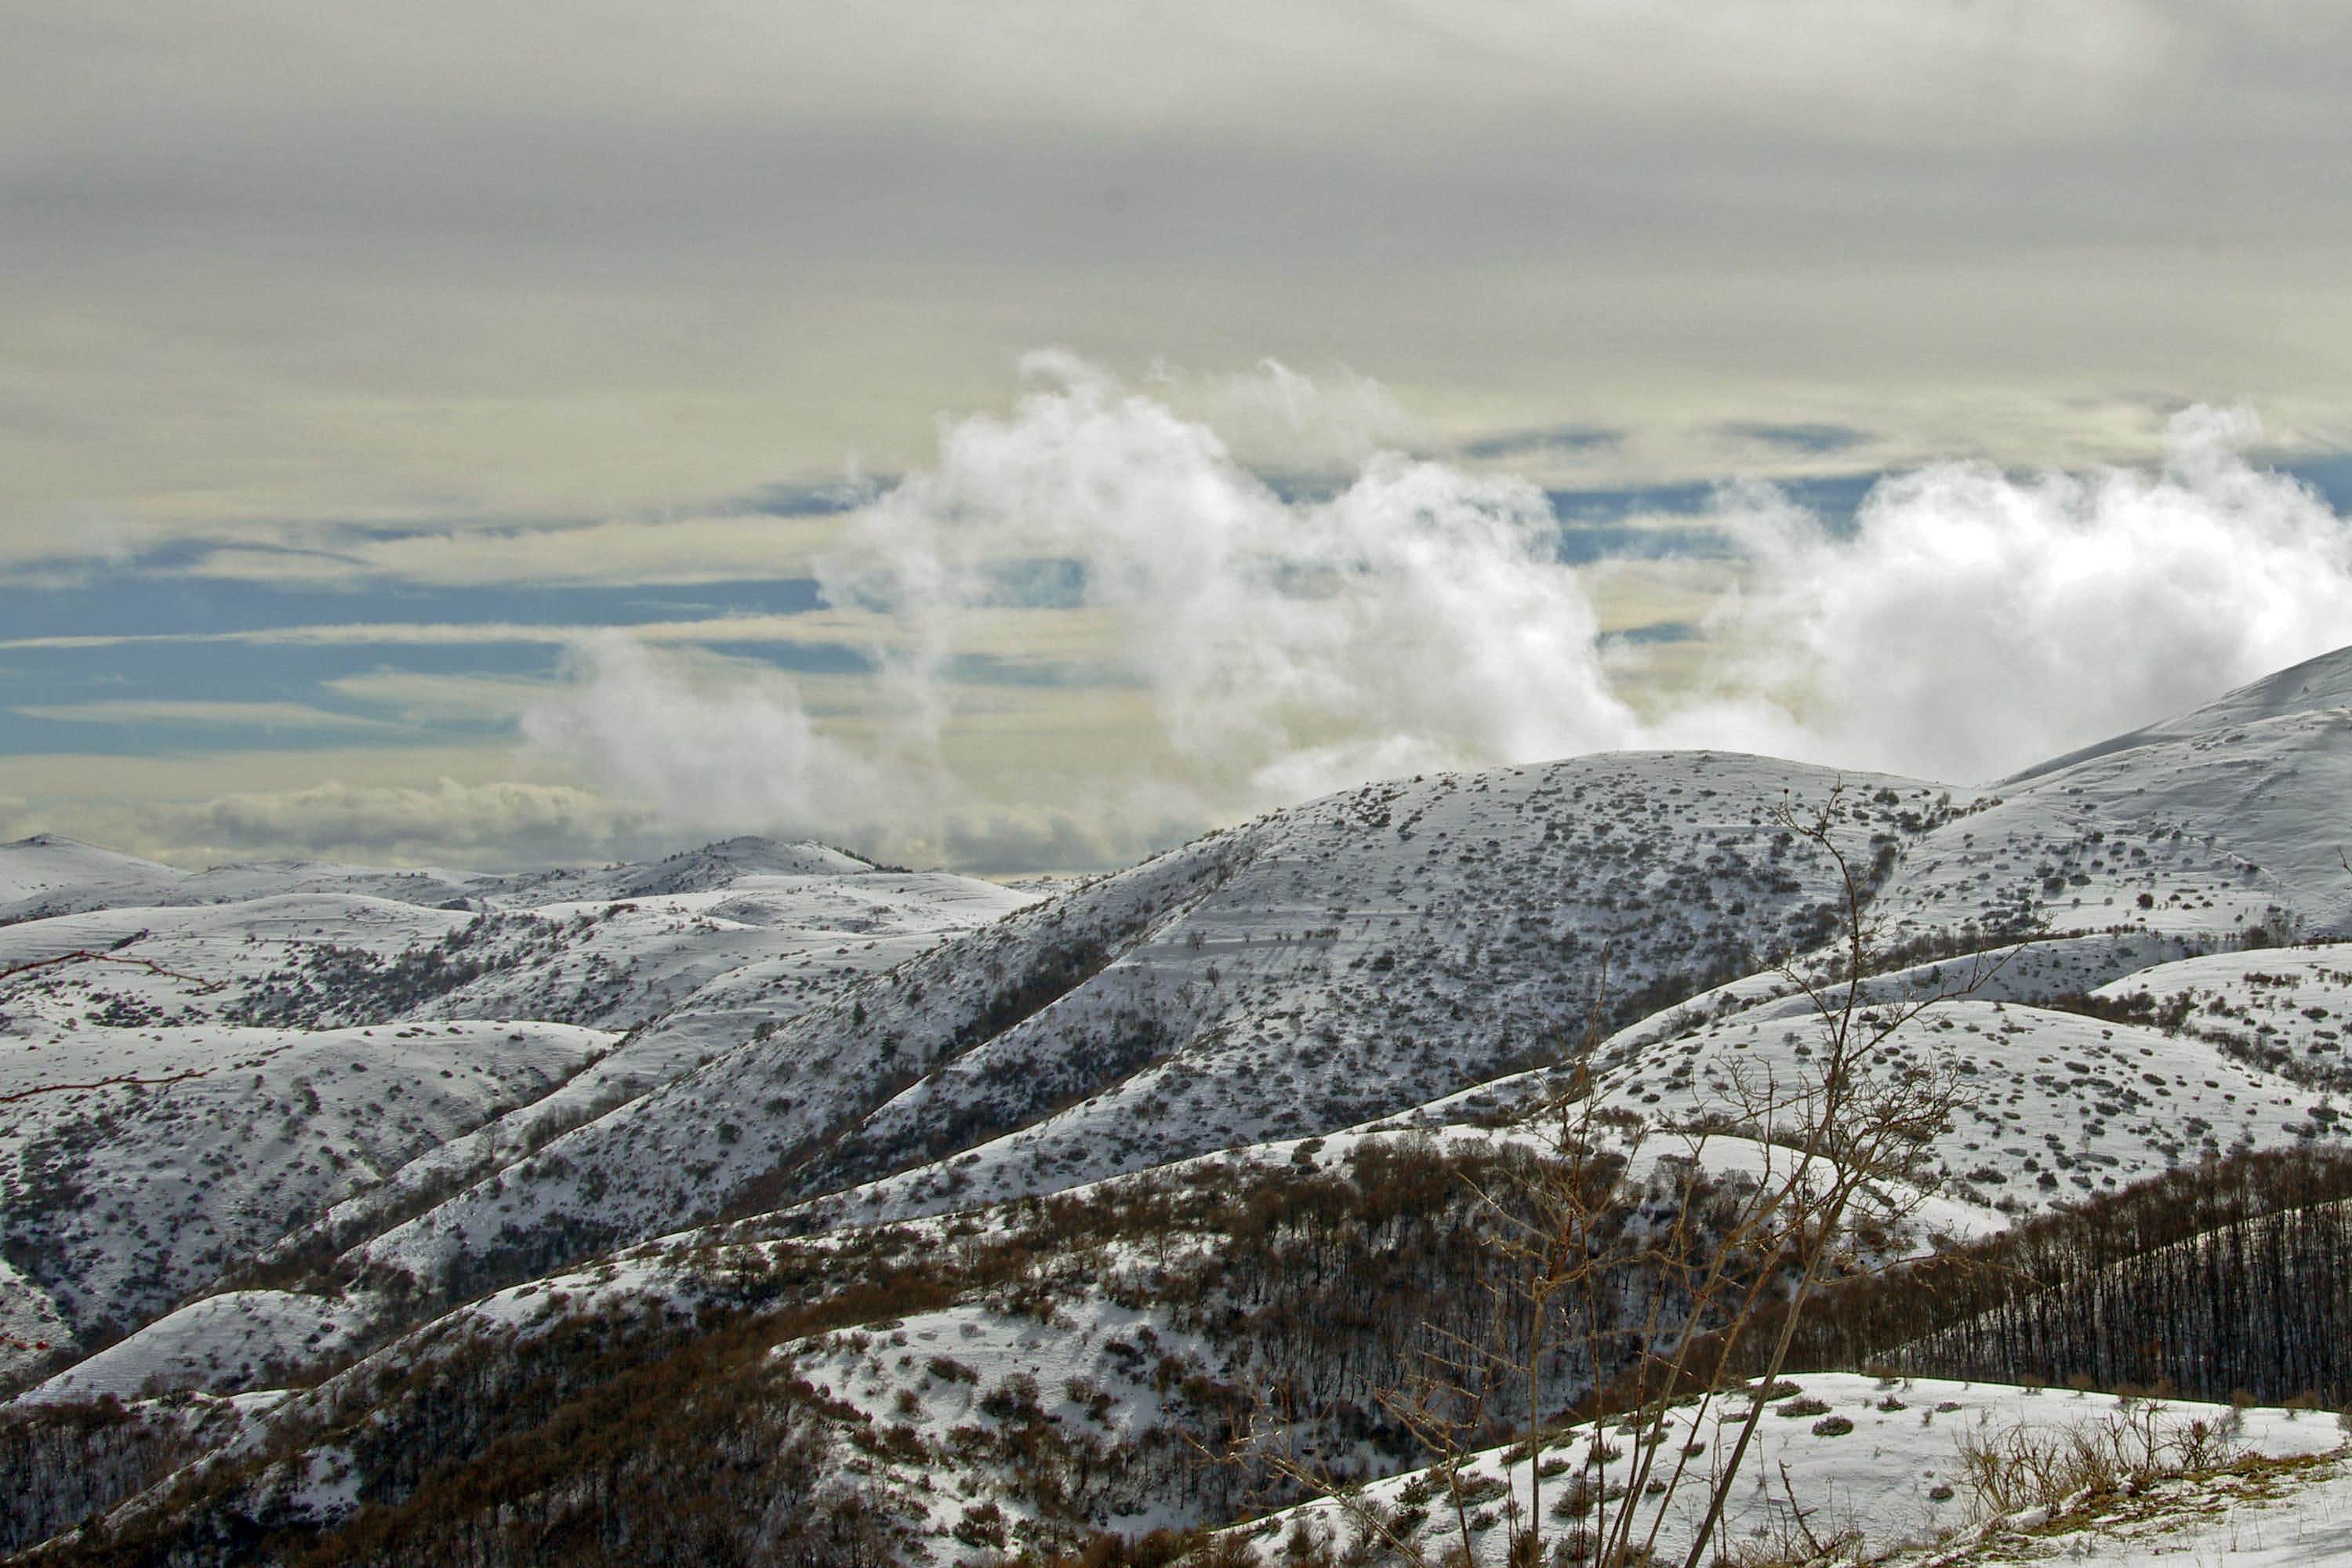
(1016, 435)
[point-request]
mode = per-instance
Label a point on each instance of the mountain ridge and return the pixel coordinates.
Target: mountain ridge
(787, 1065)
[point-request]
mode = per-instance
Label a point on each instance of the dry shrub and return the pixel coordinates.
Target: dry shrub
(2057, 1466)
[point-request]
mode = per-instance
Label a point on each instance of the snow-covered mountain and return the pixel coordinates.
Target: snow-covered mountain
(1362, 955)
(312, 1050)
(444, 1117)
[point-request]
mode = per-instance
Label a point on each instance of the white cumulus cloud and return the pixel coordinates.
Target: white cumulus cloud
(1972, 623)
(1965, 623)
(1416, 619)
(710, 746)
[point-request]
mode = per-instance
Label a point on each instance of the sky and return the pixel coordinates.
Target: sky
(1020, 436)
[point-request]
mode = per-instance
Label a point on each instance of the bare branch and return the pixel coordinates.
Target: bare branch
(120, 1080)
(84, 955)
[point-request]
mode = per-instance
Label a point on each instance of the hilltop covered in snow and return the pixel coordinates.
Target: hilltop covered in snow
(322, 1042)
(441, 1115)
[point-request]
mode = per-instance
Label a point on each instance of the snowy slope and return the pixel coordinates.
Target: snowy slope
(234, 1339)
(230, 884)
(2286, 1009)
(121, 1200)
(1881, 1465)
(46, 866)
(208, 962)
(1322, 965)
(362, 1045)
(2224, 820)
(2062, 1105)
(727, 864)
(1389, 947)
(819, 1044)
(686, 1151)
(2314, 685)
(1385, 947)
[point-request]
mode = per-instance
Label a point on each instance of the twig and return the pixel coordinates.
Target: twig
(120, 1080)
(84, 955)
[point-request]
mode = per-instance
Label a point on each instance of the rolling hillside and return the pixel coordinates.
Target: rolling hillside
(972, 1178)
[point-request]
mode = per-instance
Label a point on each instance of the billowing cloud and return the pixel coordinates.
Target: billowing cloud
(1416, 619)
(1967, 623)
(709, 745)
(1972, 623)
(688, 743)
(1276, 419)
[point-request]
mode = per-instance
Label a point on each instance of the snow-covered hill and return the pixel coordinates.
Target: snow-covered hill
(1875, 1469)
(125, 1198)
(1321, 966)
(49, 867)
(324, 1045)
(682, 1088)
(1364, 954)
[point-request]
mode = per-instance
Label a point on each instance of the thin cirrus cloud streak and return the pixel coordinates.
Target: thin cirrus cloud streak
(253, 715)
(805, 628)
(1969, 623)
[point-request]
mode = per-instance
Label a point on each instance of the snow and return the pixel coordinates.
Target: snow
(2299, 1518)
(45, 864)
(225, 1341)
(1895, 1475)
(424, 1069)
(309, 1105)
(2091, 1106)
(131, 1195)
(2316, 684)
(1351, 957)
(2217, 829)
(2292, 1005)
(1378, 950)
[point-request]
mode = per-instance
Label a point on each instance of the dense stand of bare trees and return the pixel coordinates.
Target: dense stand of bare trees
(2227, 1278)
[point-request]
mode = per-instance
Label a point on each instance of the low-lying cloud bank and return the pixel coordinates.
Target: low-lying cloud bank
(444, 821)
(1967, 623)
